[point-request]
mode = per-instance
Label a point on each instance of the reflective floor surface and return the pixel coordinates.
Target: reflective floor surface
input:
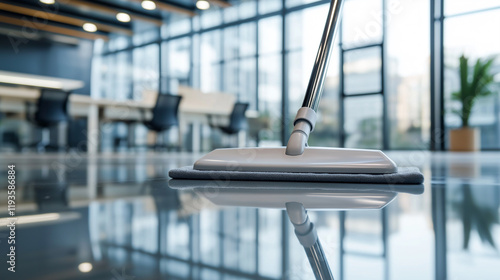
(114, 217)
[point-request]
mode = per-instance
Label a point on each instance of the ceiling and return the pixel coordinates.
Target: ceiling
(66, 17)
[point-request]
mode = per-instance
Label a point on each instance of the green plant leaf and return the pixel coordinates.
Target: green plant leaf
(473, 87)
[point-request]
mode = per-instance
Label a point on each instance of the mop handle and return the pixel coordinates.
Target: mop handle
(318, 75)
(305, 119)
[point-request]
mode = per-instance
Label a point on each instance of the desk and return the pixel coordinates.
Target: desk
(14, 78)
(194, 108)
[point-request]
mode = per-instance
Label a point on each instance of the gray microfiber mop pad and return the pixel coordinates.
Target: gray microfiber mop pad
(405, 175)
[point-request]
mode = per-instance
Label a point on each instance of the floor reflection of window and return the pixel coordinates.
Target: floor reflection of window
(472, 226)
(124, 225)
(144, 226)
(270, 242)
(239, 239)
(210, 238)
(177, 237)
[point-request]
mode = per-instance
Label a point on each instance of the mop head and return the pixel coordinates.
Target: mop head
(403, 176)
(329, 167)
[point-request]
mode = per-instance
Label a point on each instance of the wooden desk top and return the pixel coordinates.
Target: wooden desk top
(207, 104)
(36, 81)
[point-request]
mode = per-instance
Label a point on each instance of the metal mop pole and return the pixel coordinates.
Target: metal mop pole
(318, 75)
(306, 116)
(308, 238)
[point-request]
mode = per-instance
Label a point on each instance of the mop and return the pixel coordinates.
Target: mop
(299, 163)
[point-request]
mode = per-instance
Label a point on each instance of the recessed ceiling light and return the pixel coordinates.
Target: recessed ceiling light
(123, 17)
(85, 267)
(48, 2)
(148, 5)
(89, 27)
(202, 4)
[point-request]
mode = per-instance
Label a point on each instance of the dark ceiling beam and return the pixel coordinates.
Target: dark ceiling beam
(113, 10)
(220, 3)
(61, 18)
(51, 28)
(171, 7)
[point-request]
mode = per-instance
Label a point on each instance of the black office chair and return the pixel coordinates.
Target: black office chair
(51, 196)
(237, 120)
(9, 138)
(51, 109)
(165, 116)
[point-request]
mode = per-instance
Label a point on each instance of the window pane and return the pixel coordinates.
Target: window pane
(305, 28)
(211, 17)
(231, 13)
(270, 35)
(268, 6)
(247, 38)
(146, 69)
(196, 49)
(144, 32)
(270, 97)
(362, 22)
(231, 77)
(178, 24)
(240, 10)
(362, 69)
(461, 6)
(247, 8)
(239, 41)
(210, 61)
(407, 87)
(468, 35)
(248, 83)
(123, 86)
(363, 121)
(178, 62)
(231, 48)
(118, 42)
(292, 3)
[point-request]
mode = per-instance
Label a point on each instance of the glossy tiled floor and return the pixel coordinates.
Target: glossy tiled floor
(118, 214)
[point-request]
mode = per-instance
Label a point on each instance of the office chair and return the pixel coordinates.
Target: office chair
(9, 137)
(237, 120)
(165, 116)
(51, 196)
(51, 109)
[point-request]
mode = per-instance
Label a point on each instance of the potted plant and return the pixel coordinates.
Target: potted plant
(472, 86)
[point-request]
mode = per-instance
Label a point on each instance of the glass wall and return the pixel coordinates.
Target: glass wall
(263, 51)
(472, 29)
(407, 42)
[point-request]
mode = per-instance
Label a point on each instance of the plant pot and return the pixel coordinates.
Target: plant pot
(465, 139)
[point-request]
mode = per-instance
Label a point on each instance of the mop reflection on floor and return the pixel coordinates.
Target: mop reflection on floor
(296, 197)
